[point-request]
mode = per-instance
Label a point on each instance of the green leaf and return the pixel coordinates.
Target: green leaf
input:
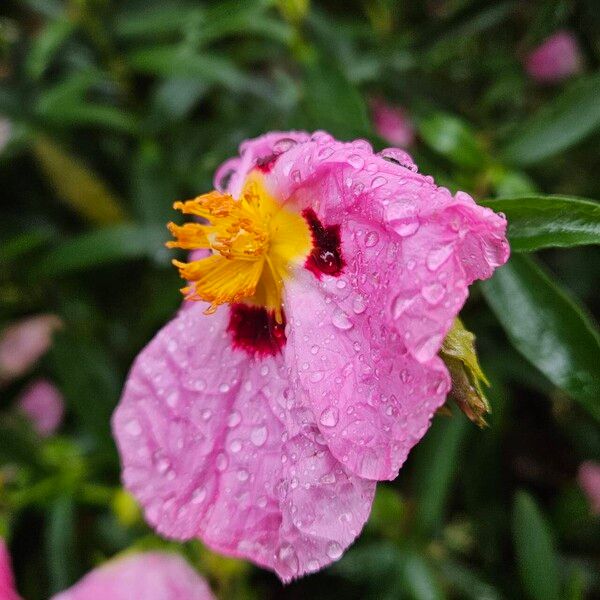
(332, 103)
(453, 138)
(436, 461)
(180, 61)
(45, 46)
(76, 184)
(537, 560)
(61, 542)
(536, 221)
(567, 120)
(419, 580)
(103, 246)
(547, 326)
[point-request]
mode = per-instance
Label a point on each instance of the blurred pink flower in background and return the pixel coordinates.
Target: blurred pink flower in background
(392, 123)
(260, 418)
(43, 404)
(589, 481)
(557, 58)
(7, 581)
(24, 342)
(142, 576)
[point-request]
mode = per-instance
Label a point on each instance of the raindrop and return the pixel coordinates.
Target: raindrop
(438, 256)
(235, 446)
(207, 414)
(378, 182)
(359, 304)
(283, 145)
(133, 427)
(328, 478)
(433, 293)
(356, 161)
(316, 376)
(406, 228)
(288, 556)
(172, 399)
(234, 419)
(329, 417)
(199, 495)
(334, 550)
(224, 388)
(371, 239)
(264, 370)
(258, 436)
(340, 319)
(221, 462)
(400, 305)
(243, 475)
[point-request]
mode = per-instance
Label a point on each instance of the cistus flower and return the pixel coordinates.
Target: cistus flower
(589, 481)
(392, 123)
(147, 575)
(557, 58)
(325, 277)
(43, 405)
(23, 343)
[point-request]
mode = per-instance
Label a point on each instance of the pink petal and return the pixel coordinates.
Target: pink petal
(433, 245)
(43, 404)
(589, 481)
(557, 58)
(24, 342)
(231, 175)
(7, 581)
(147, 576)
(219, 446)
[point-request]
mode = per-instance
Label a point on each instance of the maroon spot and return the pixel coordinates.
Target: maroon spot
(265, 164)
(255, 330)
(326, 255)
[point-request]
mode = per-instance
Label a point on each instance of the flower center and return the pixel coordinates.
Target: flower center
(255, 241)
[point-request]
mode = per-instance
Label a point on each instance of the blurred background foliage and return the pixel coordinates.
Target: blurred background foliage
(112, 109)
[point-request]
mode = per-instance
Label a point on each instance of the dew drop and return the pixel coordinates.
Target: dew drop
(198, 495)
(340, 319)
(206, 414)
(371, 239)
(243, 475)
(234, 419)
(438, 256)
(258, 436)
(328, 478)
(221, 462)
(401, 304)
(133, 427)
(433, 293)
(329, 417)
(287, 555)
(235, 446)
(224, 388)
(359, 304)
(334, 550)
(356, 161)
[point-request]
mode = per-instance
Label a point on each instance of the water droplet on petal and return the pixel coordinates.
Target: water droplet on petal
(221, 462)
(287, 555)
(406, 228)
(234, 419)
(243, 475)
(359, 304)
(378, 182)
(340, 319)
(224, 388)
(258, 436)
(328, 478)
(329, 417)
(401, 304)
(433, 293)
(334, 551)
(438, 256)
(133, 427)
(199, 495)
(371, 239)
(235, 446)
(356, 161)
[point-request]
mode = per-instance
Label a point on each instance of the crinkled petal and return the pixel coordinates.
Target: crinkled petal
(220, 446)
(373, 400)
(231, 175)
(147, 576)
(441, 243)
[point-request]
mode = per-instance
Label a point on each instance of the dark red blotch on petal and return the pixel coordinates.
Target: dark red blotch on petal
(266, 163)
(326, 255)
(255, 330)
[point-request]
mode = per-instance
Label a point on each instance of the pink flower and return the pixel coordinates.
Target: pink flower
(23, 343)
(260, 418)
(7, 581)
(557, 58)
(392, 123)
(589, 481)
(43, 404)
(148, 575)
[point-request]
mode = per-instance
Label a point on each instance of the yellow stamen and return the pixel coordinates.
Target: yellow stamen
(255, 240)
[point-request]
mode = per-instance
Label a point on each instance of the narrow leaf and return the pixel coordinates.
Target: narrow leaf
(76, 184)
(567, 120)
(548, 328)
(536, 221)
(536, 557)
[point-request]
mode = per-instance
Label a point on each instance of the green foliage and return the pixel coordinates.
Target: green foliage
(111, 110)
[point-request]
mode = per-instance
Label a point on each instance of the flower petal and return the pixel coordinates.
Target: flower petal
(149, 575)
(372, 400)
(217, 445)
(7, 581)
